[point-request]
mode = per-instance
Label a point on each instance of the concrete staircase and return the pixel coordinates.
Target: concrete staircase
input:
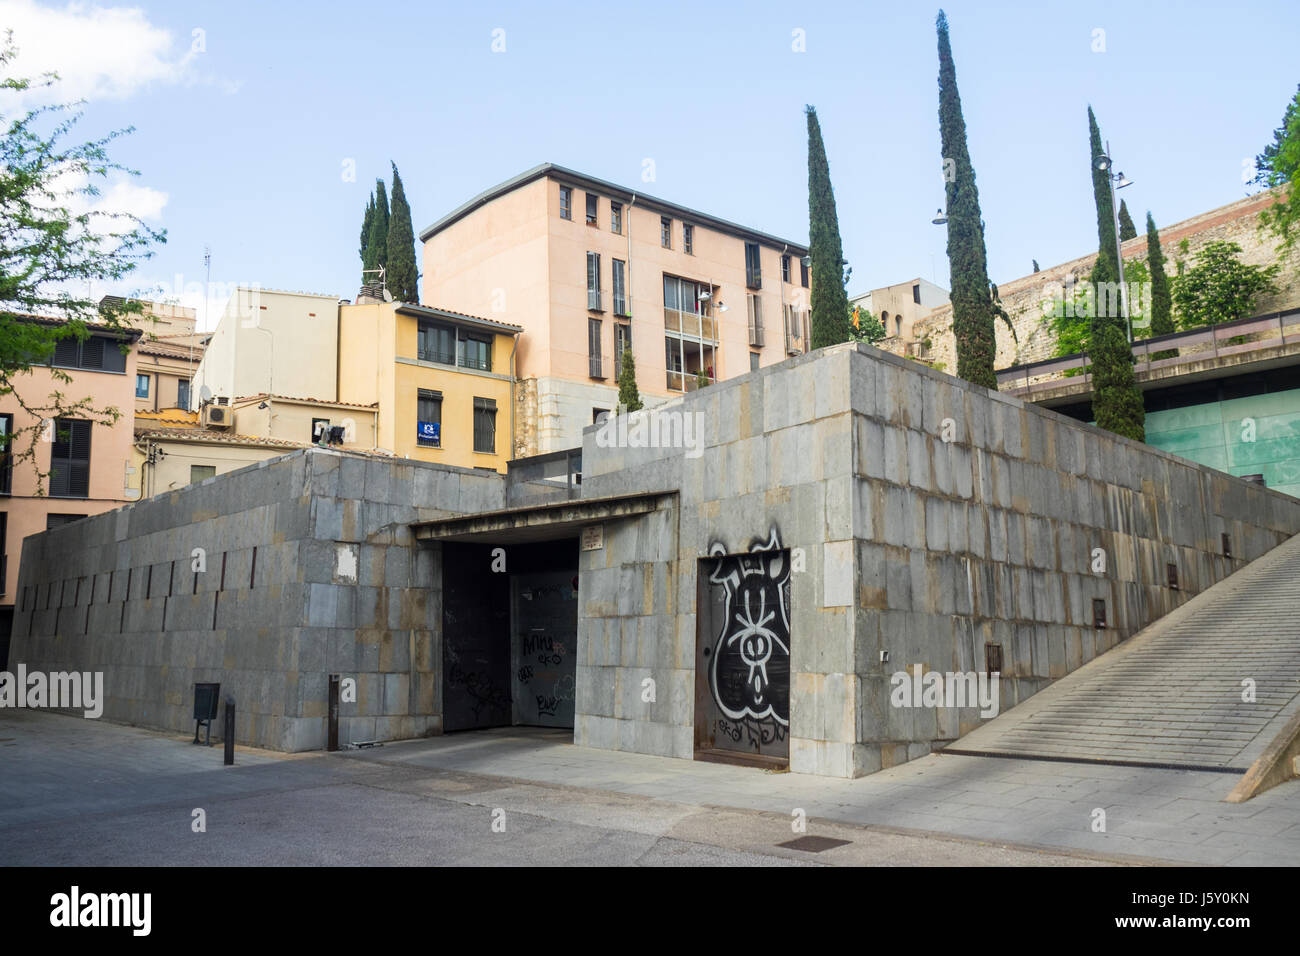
(1171, 695)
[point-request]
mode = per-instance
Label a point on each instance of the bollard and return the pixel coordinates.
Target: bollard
(230, 731)
(333, 743)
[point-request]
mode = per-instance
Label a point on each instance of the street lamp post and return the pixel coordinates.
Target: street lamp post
(1117, 181)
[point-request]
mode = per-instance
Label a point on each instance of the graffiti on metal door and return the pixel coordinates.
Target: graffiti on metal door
(748, 661)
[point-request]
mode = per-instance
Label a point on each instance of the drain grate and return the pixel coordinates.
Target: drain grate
(813, 844)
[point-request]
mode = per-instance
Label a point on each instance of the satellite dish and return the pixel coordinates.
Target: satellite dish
(388, 296)
(205, 393)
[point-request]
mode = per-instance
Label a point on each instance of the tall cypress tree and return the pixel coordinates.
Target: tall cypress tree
(1116, 399)
(403, 278)
(377, 248)
(366, 222)
(830, 303)
(1127, 230)
(1162, 312)
(972, 302)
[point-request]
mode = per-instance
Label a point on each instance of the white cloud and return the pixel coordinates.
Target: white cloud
(98, 52)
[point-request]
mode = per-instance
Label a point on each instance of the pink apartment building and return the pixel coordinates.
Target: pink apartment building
(588, 269)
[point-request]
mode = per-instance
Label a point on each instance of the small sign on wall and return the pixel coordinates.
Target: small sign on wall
(593, 537)
(429, 431)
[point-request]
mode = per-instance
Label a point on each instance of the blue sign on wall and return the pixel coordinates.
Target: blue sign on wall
(429, 431)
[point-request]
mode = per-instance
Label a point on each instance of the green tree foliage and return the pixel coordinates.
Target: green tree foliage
(402, 276)
(829, 302)
(377, 247)
(1116, 399)
(629, 396)
(51, 253)
(1279, 165)
(973, 309)
(865, 325)
(367, 221)
(1219, 287)
(1127, 230)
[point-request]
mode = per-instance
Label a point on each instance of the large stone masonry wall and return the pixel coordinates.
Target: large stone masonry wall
(1033, 339)
(925, 548)
(335, 586)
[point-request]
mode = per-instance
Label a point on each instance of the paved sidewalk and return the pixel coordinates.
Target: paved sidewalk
(1159, 815)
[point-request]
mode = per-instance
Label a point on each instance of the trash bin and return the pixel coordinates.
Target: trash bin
(206, 699)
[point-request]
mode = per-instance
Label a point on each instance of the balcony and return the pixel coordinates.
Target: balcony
(691, 324)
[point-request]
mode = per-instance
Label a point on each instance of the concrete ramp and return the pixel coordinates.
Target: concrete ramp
(1171, 695)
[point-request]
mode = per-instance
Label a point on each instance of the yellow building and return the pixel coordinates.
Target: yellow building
(443, 381)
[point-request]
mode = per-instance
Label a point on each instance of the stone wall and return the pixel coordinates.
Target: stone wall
(907, 543)
(1033, 340)
(309, 570)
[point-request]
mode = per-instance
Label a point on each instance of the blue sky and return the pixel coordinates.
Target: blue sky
(241, 145)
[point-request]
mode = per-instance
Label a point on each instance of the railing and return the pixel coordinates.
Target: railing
(594, 365)
(685, 381)
(552, 475)
(691, 324)
(1281, 328)
(593, 300)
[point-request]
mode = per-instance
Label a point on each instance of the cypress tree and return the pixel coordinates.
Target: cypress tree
(1116, 399)
(629, 396)
(366, 222)
(1127, 230)
(830, 303)
(1162, 313)
(377, 248)
(403, 277)
(972, 304)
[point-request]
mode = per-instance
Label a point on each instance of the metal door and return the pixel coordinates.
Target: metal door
(743, 661)
(544, 650)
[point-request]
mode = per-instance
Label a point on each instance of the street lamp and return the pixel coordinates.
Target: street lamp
(939, 218)
(1117, 181)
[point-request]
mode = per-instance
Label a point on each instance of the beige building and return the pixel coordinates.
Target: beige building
(900, 306)
(587, 268)
(270, 341)
(164, 459)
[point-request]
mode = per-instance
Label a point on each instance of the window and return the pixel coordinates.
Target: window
(59, 520)
(70, 459)
(753, 273)
(475, 352)
(620, 287)
(4, 547)
(428, 417)
(622, 342)
(593, 208)
(6, 454)
(436, 343)
(183, 393)
(753, 361)
(688, 238)
(803, 272)
(566, 202)
(616, 217)
(665, 232)
(97, 353)
(755, 321)
(320, 428)
(593, 281)
(593, 349)
(898, 325)
(199, 472)
(142, 386)
(785, 268)
(485, 425)
(916, 293)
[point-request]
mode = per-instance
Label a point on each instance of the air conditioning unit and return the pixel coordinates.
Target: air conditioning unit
(216, 416)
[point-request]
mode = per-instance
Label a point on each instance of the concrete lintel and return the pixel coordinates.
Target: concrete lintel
(539, 522)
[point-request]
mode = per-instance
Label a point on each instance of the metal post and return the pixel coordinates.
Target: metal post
(334, 713)
(1119, 252)
(230, 731)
